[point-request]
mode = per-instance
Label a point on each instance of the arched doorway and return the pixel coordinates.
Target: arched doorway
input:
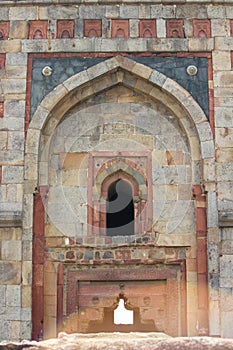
(38, 131)
(120, 209)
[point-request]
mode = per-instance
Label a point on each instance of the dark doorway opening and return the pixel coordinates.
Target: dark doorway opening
(120, 209)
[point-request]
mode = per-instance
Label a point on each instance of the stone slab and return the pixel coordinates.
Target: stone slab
(123, 341)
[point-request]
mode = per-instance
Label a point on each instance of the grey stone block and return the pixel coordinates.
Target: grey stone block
(144, 11)
(14, 86)
(14, 108)
(64, 12)
(224, 171)
(112, 11)
(12, 174)
(13, 296)
(4, 13)
(22, 13)
(92, 12)
(127, 12)
(212, 214)
(5, 330)
(11, 250)
(11, 157)
(26, 314)
(25, 330)
(191, 11)
(216, 11)
(16, 59)
(2, 295)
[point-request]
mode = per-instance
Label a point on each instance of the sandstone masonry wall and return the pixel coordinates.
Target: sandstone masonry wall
(65, 29)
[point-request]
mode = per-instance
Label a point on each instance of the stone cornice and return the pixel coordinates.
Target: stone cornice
(109, 45)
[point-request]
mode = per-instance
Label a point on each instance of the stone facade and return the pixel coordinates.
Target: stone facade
(92, 96)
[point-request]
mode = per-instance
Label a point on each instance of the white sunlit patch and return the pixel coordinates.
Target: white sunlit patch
(122, 315)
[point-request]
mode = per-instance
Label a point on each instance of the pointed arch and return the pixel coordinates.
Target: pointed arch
(107, 74)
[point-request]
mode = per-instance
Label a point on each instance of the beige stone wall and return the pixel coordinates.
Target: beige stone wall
(127, 126)
(16, 180)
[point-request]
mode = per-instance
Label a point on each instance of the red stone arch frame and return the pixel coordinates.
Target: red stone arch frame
(107, 167)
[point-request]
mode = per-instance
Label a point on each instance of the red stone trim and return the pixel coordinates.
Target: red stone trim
(143, 210)
(120, 28)
(4, 30)
(202, 268)
(92, 28)
(2, 61)
(122, 157)
(65, 29)
(201, 28)
(60, 283)
(116, 176)
(183, 296)
(231, 24)
(147, 28)
(38, 264)
(175, 28)
(1, 109)
(38, 30)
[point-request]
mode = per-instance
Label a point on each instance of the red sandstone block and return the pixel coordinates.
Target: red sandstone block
(120, 28)
(38, 215)
(4, 30)
(123, 254)
(65, 29)
(202, 286)
(38, 274)
(147, 28)
(92, 28)
(203, 322)
(231, 23)
(38, 30)
(175, 28)
(202, 255)
(1, 109)
(2, 61)
(38, 249)
(201, 225)
(60, 274)
(199, 196)
(70, 255)
(37, 311)
(201, 28)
